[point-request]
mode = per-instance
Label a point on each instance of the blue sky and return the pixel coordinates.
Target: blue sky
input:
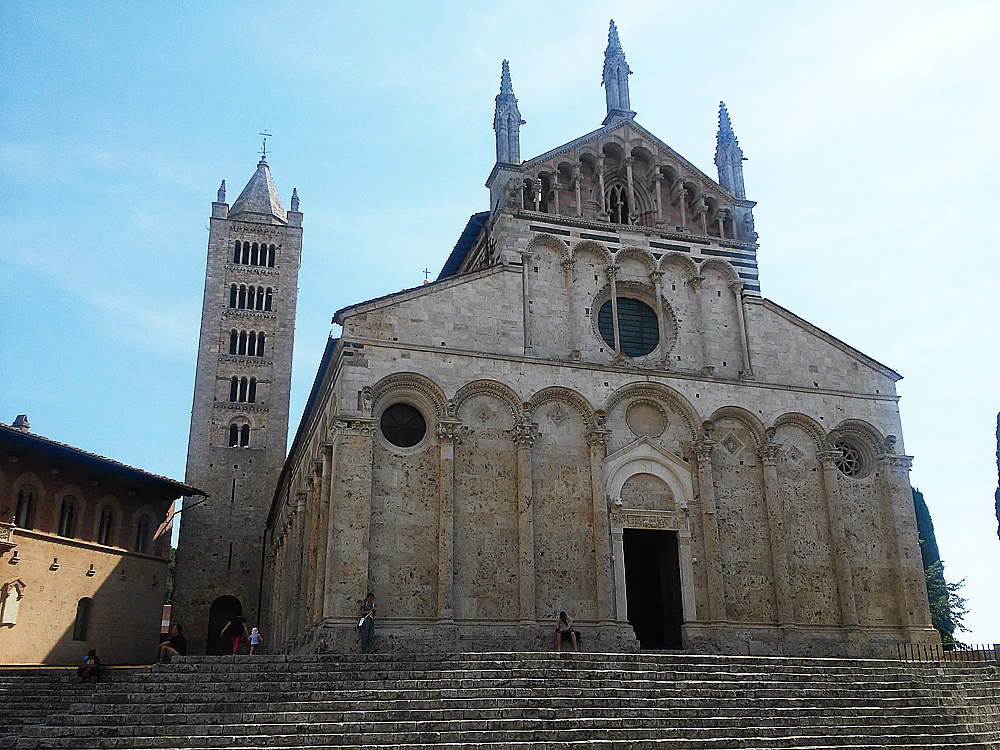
(870, 128)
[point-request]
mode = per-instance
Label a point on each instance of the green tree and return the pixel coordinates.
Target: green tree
(168, 589)
(948, 607)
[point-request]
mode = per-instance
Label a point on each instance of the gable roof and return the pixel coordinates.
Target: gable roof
(260, 196)
(464, 244)
(14, 440)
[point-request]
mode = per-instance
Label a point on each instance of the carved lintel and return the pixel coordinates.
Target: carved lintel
(667, 520)
(357, 426)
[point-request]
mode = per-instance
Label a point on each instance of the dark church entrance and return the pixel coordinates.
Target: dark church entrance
(653, 587)
(224, 609)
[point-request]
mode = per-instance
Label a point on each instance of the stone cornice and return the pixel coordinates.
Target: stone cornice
(238, 406)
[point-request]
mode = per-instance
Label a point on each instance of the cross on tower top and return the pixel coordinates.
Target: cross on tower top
(263, 148)
(427, 274)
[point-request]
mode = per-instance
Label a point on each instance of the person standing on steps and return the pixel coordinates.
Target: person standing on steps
(367, 624)
(255, 640)
(237, 629)
(565, 631)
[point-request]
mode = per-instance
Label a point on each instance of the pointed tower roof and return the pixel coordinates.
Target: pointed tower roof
(615, 78)
(725, 134)
(260, 196)
(506, 87)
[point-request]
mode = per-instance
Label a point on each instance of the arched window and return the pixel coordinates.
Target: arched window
(251, 344)
(67, 516)
(618, 205)
(260, 298)
(234, 384)
(268, 299)
(233, 341)
(260, 344)
(236, 252)
(243, 389)
(245, 436)
(254, 255)
(270, 257)
(234, 435)
(252, 391)
(142, 527)
(105, 529)
(243, 342)
(24, 516)
(245, 255)
(242, 297)
(82, 622)
(232, 295)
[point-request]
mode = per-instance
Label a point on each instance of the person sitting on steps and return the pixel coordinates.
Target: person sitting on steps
(175, 645)
(565, 631)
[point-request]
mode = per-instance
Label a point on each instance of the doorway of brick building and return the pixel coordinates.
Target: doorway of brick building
(653, 587)
(223, 609)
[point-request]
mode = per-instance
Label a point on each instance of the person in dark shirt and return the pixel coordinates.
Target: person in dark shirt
(175, 645)
(90, 670)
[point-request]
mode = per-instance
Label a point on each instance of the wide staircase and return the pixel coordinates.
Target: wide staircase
(508, 700)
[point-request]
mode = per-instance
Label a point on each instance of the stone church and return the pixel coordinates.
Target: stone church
(591, 409)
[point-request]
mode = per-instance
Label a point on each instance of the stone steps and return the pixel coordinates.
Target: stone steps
(517, 701)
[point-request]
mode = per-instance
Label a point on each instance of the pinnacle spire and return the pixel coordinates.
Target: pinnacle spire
(728, 155)
(260, 196)
(725, 134)
(507, 120)
(615, 78)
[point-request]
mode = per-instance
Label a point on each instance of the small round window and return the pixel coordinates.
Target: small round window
(851, 461)
(403, 425)
(638, 330)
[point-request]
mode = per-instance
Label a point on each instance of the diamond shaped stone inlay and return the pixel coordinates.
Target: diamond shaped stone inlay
(731, 444)
(793, 454)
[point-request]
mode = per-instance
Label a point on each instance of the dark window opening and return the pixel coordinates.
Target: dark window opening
(245, 436)
(24, 516)
(268, 299)
(236, 253)
(232, 295)
(234, 384)
(233, 342)
(653, 587)
(142, 535)
(67, 516)
(403, 425)
(618, 205)
(638, 330)
(106, 526)
(270, 257)
(234, 435)
(82, 622)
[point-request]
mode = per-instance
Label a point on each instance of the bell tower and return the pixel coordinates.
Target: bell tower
(239, 417)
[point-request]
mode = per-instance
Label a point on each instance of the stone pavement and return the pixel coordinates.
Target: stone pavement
(512, 700)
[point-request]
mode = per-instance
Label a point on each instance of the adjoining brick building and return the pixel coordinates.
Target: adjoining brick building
(593, 409)
(84, 542)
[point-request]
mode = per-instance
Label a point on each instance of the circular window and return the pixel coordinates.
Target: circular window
(638, 330)
(403, 425)
(851, 460)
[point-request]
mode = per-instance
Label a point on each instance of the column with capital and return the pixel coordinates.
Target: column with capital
(911, 584)
(313, 490)
(682, 204)
(448, 434)
(741, 321)
(597, 439)
(524, 434)
(555, 194)
(838, 538)
(710, 530)
(695, 283)
(577, 179)
(658, 191)
(612, 271)
(526, 257)
(784, 603)
(323, 538)
(347, 562)
(701, 213)
(569, 266)
(656, 276)
(720, 217)
(632, 213)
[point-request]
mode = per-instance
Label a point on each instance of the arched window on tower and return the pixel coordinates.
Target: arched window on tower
(260, 345)
(245, 436)
(254, 253)
(234, 384)
(268, 299)
(242, 297)
(105, 529)
(251, 344)
(618, 204)
(233, 341)
(67, 516)
(245, 255)
(252, 391)
(243, 389)
(24, 516)
(232, 295)
(270, 256)
(236, 252)
(142, 528)
(243, 342)
(234, 435)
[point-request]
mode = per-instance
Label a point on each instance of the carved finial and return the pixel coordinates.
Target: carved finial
(615, 78)
(507, 120)
(725, 134)
(506, 87)
(222, 193)
(728, 155)
(295, 199)
(614, 43)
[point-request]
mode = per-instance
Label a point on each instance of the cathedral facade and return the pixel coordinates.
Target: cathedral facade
(594, 410)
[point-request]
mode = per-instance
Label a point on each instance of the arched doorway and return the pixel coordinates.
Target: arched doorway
(222, 611)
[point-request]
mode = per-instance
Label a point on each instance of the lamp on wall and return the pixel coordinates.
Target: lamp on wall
(14, 560)
(55, 564)
(91, 571)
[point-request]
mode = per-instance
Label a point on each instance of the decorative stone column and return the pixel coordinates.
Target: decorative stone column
(597, 439)
(569, 267)
(682, 204)
(658, 192)
(695, 283)
(524, 437)
(526, 257)
(710, 530)
(720, 217)
(784, 603)
(555, 195)
(313, 485)
(536, 187)
(323, 537)
(347, 577)
(911, 585)
(577, 179)
(701, 213)
(448, 435)
(747, 372)
(600, 184)
(618, 554)
(838, 539)
(632, 213)
(612, 272)
(656, 276)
